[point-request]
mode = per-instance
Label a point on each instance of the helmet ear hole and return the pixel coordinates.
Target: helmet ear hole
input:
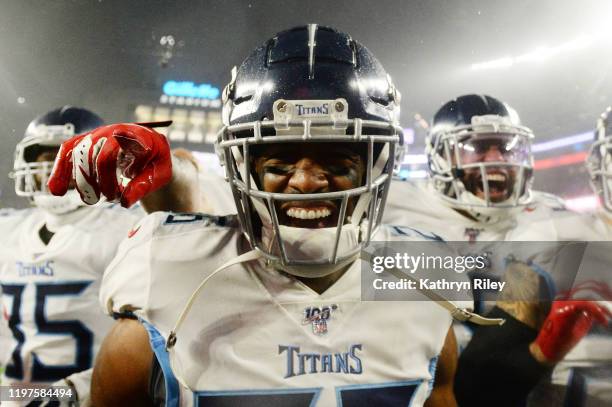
(31, 153)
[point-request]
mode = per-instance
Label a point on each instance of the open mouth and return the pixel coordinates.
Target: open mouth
(320, 214)
(498, 183)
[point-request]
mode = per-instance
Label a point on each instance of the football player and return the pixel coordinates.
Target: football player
(599, 165)
(535, 347)
(51, 262)
(308, 146)
(479, 189)
(481, 172)
(584, 375)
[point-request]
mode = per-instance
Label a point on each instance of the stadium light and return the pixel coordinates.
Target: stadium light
(537, 55)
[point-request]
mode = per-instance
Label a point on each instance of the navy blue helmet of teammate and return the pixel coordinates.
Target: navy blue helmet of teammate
(479, 154)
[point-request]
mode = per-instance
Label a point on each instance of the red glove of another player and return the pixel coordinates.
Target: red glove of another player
(567, 322)
(123, 162)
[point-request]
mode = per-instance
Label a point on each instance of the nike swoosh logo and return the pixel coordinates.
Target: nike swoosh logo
(133, 232)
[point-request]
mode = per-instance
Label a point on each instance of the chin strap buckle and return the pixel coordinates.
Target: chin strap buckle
(463, 315)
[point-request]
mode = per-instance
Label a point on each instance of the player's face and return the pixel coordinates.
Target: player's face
(489, 149)
(46, 154)
(306, 169)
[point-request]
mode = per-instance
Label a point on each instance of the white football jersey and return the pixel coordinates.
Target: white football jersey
(255, 336)
(419, 206)
(50, 292)
(596, 226)
(214, 189)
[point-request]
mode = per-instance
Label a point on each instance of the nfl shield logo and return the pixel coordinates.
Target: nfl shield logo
(318, 317)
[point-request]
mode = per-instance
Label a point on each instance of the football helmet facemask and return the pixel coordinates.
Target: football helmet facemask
(310, 84)
(599, 160)
(46, 133)
(479, 155)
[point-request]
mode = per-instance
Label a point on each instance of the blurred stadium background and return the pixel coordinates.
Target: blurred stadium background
(143, 60)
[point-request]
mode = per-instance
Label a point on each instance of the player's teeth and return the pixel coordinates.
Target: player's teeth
(308, 214)
(496, 177)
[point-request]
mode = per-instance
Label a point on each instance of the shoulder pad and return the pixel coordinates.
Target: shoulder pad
(202, 219)
(149, 258)
(549, 201)
(164, 223)
(7, 212)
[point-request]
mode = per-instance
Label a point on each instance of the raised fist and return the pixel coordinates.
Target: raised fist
(124, 162)
(567, 323)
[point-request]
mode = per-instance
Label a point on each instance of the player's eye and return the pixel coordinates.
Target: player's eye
(339, 170)
(277, 169)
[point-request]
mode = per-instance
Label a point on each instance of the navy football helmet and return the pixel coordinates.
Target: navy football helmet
(47, 131)
(310, 84)
(599, 160)
(482, 137)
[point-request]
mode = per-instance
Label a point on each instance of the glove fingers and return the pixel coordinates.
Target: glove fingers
(106, 166)
(595, 311)
(85, 173)
(134, 155)
(61, 175)
(154, 176)
(602, 315)
(138, 187)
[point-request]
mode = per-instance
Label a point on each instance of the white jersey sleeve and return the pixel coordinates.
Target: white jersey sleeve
(165, 250)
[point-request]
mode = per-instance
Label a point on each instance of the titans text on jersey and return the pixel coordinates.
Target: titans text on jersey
(256, 333)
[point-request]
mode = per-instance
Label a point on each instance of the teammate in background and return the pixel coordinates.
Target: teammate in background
(481, 172)
(576, 356)
(51, 262)
(583, 377)
(599, 165)
(300, 113)
(479, 190)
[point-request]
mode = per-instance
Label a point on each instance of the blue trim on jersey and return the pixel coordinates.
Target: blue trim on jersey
(415, 383)
(433, 365)
(576, 389)
(158, 345)
(261, 392)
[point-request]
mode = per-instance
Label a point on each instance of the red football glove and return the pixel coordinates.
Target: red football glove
(567, 322)
(123, 162)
